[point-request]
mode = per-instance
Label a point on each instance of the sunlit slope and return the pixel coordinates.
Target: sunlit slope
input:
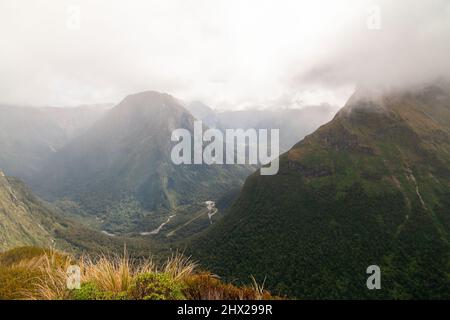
(23, 219)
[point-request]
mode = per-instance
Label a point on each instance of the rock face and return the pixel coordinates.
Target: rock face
(371, 187)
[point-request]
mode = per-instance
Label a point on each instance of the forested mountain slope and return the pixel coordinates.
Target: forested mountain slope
(371, 187)
(124, 161)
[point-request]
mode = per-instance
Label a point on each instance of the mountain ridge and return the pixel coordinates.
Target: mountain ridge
(369, 187)
(30, 135)
(124, 161)
(23, 219)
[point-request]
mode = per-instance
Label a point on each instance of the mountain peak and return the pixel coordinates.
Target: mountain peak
(150, 103)
(399, 101)
(127, 156)
(367, 187)
(149, 96)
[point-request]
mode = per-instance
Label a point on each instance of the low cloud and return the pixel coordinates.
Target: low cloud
(410, 46)
(227, 53)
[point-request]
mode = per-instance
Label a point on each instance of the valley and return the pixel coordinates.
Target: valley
(225, 150)
(157, 230)
(371, 185)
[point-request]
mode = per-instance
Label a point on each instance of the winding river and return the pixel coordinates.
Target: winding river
(157, 230)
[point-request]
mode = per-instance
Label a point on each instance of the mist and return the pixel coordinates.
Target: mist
(229, 54)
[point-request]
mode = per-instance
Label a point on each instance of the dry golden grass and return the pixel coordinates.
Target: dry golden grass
(50, 280)
(115, 276)
(206, 286)
(113, 273)
(179, 267)
(258, 288)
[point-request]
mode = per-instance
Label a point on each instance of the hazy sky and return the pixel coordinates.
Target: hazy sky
(229, 54)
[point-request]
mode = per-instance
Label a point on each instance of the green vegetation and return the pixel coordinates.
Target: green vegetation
(27, 220)
(24, 220)
(120, 169)
(156, 286)
(370, 187)
(34, 273)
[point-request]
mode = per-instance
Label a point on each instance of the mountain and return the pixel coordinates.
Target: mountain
(121, 167)
(294, 124)
(371, 187)
(24, 220)
(30, 135)
(27, 220)
(203, 112)
(75, 120)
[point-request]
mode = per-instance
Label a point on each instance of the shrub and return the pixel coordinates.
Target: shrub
(89, 291)
(205, 286)
(156, 286)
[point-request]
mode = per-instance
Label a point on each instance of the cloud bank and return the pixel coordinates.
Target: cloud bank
(227, 53)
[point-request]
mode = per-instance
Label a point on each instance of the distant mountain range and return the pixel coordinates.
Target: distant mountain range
(294, 124)
(110, 167)
(371, 187)
(30, 135)
(122, 164)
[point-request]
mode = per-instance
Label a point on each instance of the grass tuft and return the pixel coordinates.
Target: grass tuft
(42, 275)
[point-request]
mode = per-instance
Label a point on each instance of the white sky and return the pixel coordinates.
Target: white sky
(227, 53)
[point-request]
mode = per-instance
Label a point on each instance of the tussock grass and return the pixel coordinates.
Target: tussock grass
(179, 267)
(113, 273)
(31, 273)
(42, 275)
(52, 283)
(258, 288)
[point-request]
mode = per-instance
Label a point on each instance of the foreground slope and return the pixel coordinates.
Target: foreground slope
(372, 187)
(41, 274)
